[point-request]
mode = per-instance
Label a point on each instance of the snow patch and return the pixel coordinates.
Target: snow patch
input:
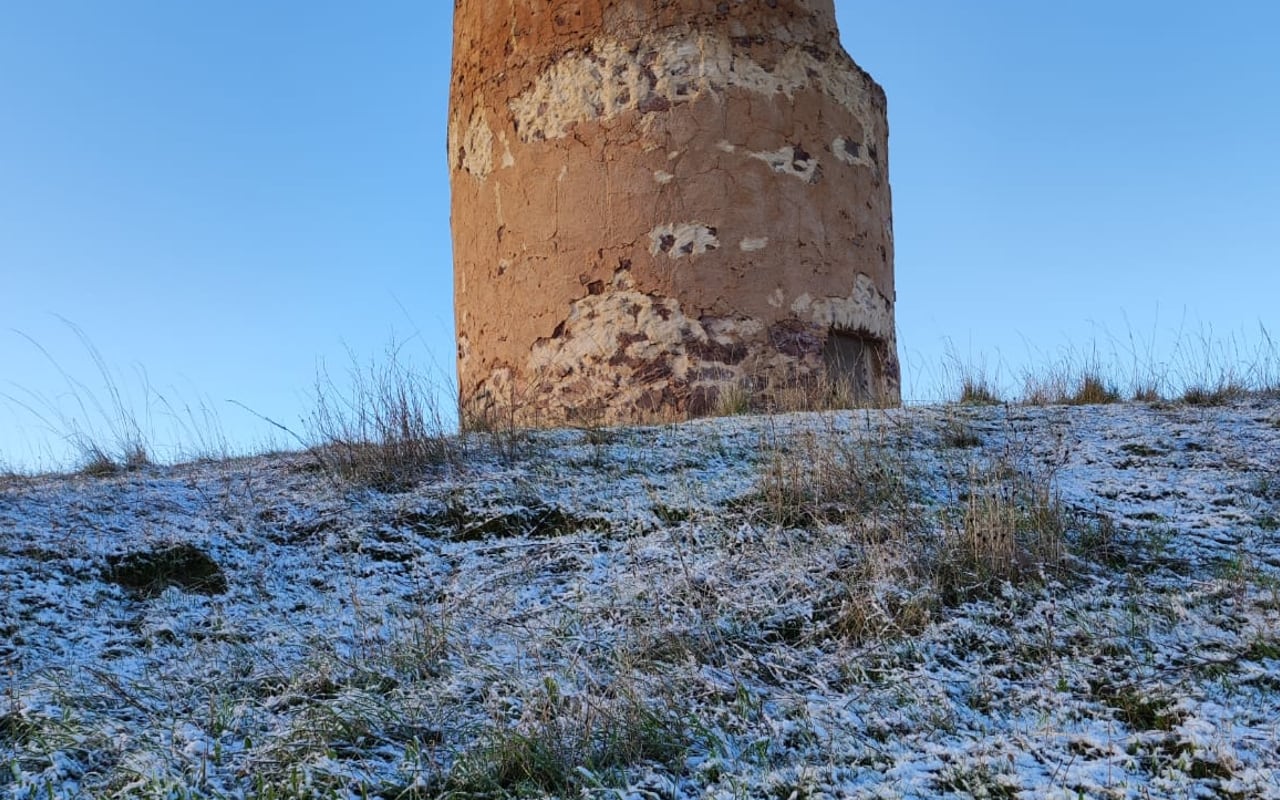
(551, 568)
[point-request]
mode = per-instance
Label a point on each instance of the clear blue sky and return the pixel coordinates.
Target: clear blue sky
(224, 196)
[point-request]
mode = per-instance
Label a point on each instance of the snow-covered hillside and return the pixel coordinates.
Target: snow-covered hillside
(950, 601)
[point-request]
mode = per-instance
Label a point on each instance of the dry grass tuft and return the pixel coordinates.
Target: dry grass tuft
(733, 400)
(1147, 393)
(386, 433)
(98, 463)
(565, 744)
(898, 570)
(815, 478)
(1094, 390)
(818, 391)
(1011, 528)
(957, 433)
(1065, 385)
(976, 391)
(1216, 395)
(889, 591)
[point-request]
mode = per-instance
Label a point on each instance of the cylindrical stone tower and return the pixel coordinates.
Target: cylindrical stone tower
(658, 202)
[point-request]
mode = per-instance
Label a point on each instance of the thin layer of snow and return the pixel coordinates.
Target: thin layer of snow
(371, 640)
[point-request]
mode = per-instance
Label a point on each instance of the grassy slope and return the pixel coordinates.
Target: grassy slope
(941, 601)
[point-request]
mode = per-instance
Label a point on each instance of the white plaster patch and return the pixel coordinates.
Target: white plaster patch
(678, 240)
(596, 324)
(850, 152)
(726, 146)
(791, 160)
(650, 75)
(508, 160)
(498, 388)
(564, 173)
(777, 298)
(472, 145)
(865, 309)
(750, 245)
(663, 177)
(730, 331)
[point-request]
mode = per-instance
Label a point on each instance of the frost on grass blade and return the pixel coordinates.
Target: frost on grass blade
(712, 609)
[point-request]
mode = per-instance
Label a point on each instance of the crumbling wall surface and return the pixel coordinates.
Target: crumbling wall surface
(656, 201)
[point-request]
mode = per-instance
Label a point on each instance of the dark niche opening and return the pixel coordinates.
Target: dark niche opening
(855, 361)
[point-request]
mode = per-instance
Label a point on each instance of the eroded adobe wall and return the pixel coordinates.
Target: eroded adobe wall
(655, 201)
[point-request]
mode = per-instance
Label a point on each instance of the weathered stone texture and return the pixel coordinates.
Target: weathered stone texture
(656, 200)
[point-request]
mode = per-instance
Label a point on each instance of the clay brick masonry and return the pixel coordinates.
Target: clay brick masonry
(656, 202)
